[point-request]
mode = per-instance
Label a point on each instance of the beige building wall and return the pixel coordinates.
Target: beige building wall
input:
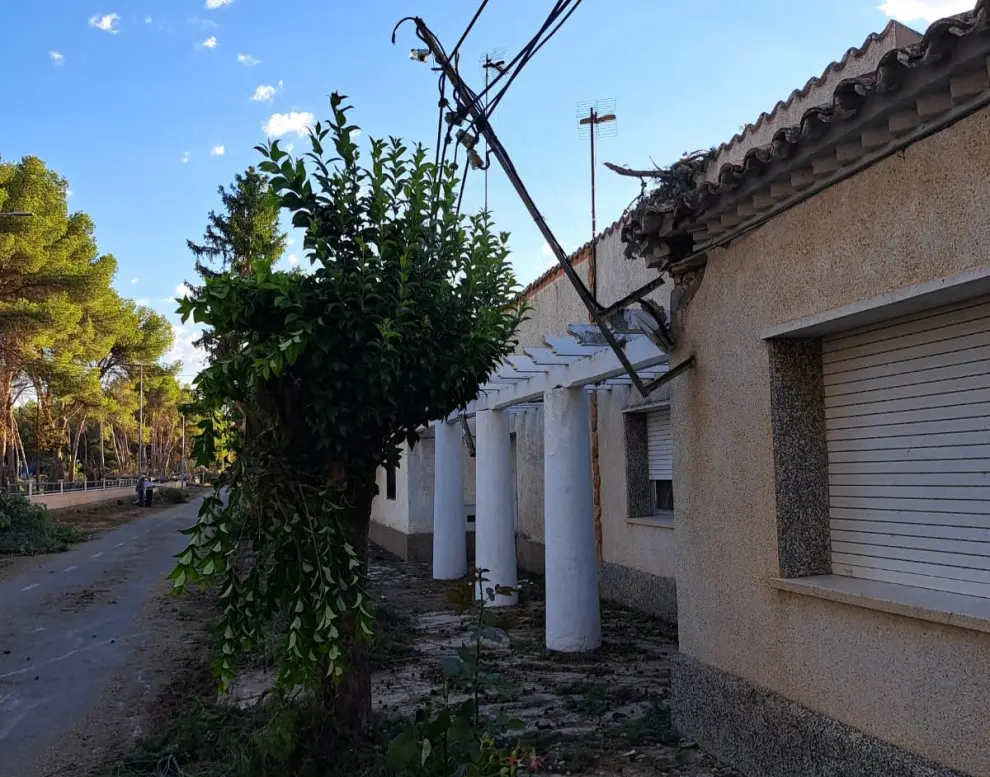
(913, 218)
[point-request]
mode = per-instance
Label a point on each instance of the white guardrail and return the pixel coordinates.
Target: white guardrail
(30, 488)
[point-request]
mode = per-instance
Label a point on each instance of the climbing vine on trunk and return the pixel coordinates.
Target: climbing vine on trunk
(406, 308)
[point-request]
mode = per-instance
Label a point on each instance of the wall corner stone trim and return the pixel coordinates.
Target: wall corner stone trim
(800, 455)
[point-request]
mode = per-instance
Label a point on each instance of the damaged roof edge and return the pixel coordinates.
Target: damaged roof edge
(922, 86)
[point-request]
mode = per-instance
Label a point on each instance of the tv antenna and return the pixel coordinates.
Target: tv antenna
(596, 119)
(492, 60)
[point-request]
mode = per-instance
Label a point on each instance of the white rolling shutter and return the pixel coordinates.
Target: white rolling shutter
(907, 417)
(659, 444)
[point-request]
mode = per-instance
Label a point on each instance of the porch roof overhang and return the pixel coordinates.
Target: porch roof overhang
(581, 359)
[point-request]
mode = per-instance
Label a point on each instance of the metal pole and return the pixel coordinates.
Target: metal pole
(594, 118)
(468, 104)
(488, 61)
(182, 461)
(37, 440)
(141, 426)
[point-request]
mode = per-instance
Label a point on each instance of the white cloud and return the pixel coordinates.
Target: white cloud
(141, 302)
(69, 192)
(134, 280)
(924, 10)
(56, 57)
(147, 20)
(193, 359)
(206, 24)
(288, 147)
(264, 94)
(217, 151)
(209, 43)
(182, 289)
(108, 22)
(290, 242)
(214, 4)
(247, 60)
(292, 259)
(283, 123)
(185, 158)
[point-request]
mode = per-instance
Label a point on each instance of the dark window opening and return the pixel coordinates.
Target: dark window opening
(390, 483)
(470, 518)
(663, 496)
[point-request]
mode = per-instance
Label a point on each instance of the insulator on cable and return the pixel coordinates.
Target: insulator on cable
(466, 139)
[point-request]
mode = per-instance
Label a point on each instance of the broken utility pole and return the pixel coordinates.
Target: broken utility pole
(469, 106)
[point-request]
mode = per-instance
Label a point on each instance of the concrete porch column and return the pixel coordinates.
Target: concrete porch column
(573, 615)
(449, 529)
(495, 531)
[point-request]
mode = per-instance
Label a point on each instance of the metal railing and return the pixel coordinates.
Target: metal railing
(30, 488)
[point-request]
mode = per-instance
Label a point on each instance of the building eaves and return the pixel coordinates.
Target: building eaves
(915, 89)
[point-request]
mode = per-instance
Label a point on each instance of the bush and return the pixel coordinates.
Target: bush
(26, 529)
(173, 496)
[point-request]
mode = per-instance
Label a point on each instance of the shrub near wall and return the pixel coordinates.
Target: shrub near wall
(27, 529)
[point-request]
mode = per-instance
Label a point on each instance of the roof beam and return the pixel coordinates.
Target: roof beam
(544, 356)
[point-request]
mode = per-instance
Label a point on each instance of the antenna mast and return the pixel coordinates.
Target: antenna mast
(596, 119)
(493, 59)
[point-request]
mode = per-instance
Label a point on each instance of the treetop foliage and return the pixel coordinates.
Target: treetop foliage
(407, 308)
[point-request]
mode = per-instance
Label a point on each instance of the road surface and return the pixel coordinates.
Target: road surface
(70, 624)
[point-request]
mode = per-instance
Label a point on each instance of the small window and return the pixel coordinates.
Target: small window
(470, 518)
(390, 483)
(663, 496)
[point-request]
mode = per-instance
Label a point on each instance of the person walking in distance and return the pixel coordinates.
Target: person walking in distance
(140, 491)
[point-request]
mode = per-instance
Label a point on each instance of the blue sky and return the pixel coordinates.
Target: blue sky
(146, 105)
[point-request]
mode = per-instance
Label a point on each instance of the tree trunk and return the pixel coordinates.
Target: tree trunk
(74, 457)
(351, 699)
(103, 452)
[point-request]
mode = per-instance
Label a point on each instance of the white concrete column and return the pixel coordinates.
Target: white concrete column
(495, 530)
(573, 615)
(449, 540)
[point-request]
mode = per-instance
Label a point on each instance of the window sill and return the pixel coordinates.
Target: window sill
(949, 609)
(662, 521)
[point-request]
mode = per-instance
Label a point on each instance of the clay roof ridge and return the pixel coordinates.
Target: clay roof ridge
(575, 257)
(853, 90)
(833, 67)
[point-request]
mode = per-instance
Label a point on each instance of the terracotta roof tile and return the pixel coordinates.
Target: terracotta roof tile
(670, 228)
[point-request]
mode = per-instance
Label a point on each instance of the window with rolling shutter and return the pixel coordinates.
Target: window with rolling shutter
(660, 453)
(907, 416)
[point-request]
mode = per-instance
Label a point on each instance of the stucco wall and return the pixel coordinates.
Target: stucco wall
(554, 306)
(528, 428)
(420, 468)
(649, 549)
(394, 513)
(906, 221)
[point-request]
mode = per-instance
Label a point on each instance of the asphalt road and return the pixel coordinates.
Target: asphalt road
(68, 624)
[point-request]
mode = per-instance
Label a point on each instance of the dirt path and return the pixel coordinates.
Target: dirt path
(85, 638)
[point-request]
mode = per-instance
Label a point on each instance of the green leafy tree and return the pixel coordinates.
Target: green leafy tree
(50, 273)
(407, 309)
(247, 231)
